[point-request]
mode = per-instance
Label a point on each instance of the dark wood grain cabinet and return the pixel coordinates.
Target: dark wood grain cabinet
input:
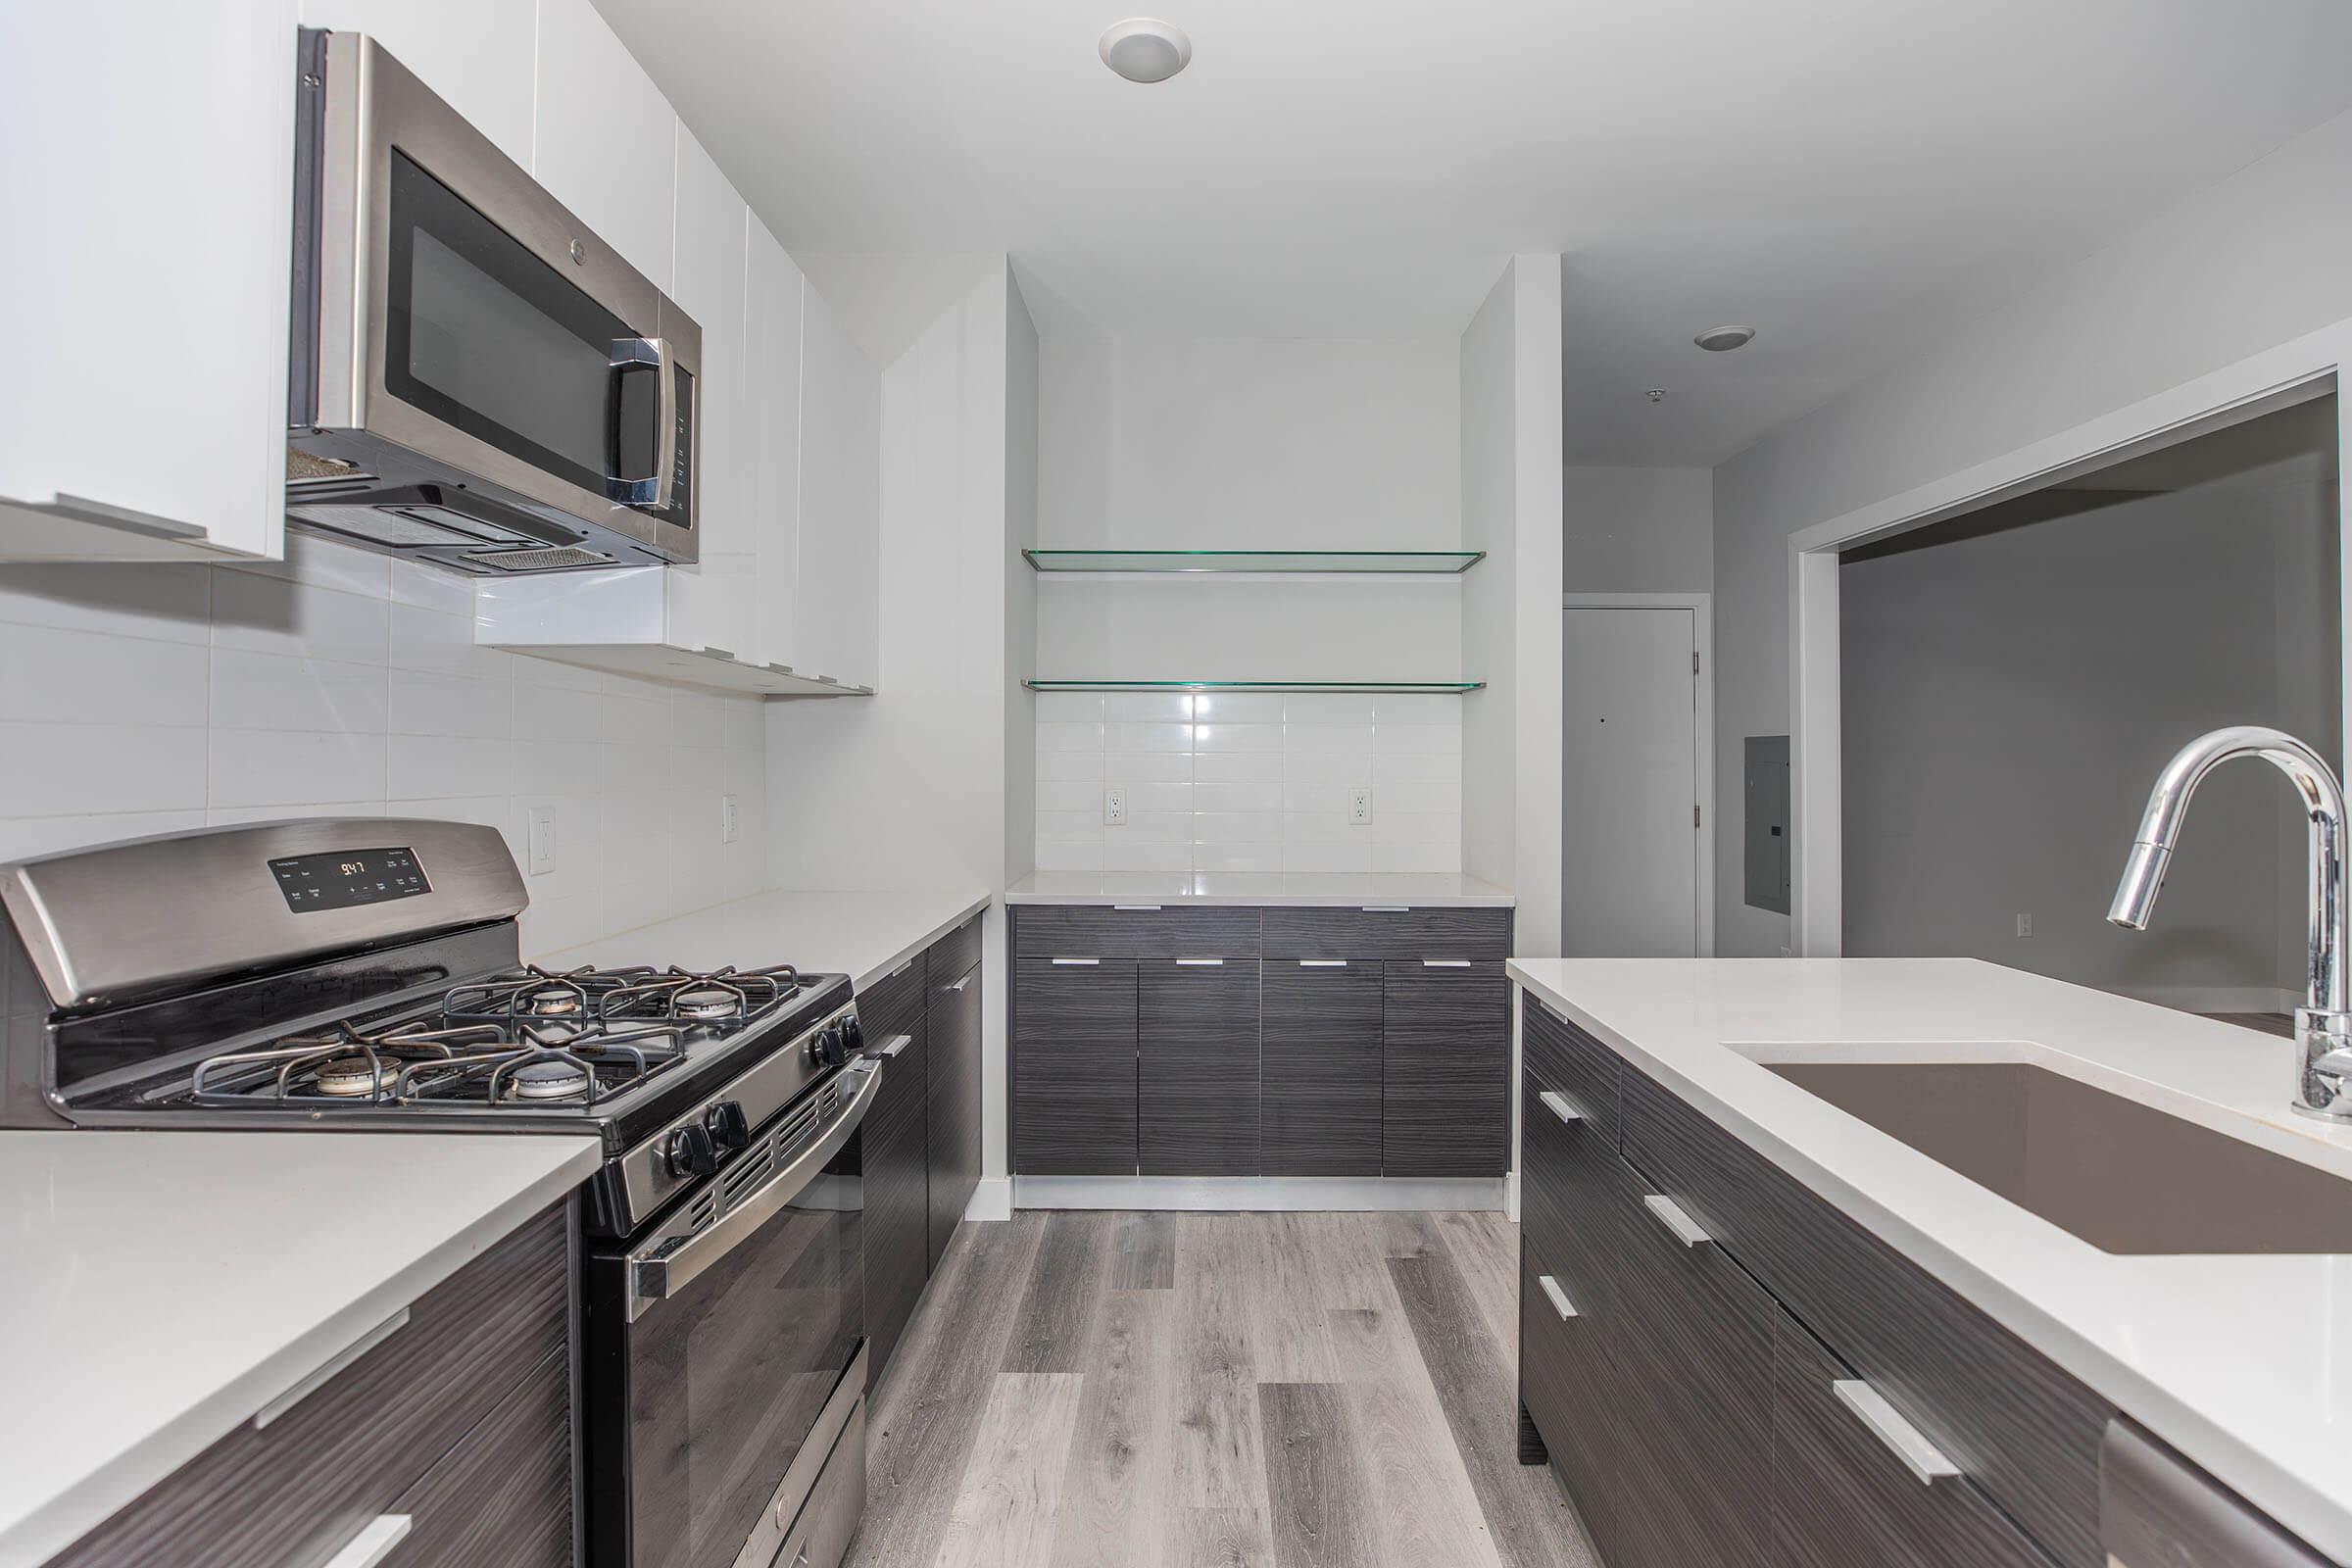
(459, 1418)
(953, 1071)
(1197, 1094)
(1444, 1067)
(1282, 1041)
(1319, 1069)
(896, 1229)
(1690, 1406)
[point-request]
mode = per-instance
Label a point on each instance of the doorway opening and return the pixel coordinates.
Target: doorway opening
(2012, 678)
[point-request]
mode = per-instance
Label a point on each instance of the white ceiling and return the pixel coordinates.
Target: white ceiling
(1845, 175)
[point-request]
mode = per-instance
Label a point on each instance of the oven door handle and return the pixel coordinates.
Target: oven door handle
(662, 1271)
(640, 354)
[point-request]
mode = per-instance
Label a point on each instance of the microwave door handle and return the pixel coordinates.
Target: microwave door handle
(631, 354)
(662, 1271)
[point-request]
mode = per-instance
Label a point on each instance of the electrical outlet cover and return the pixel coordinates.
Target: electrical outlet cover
(1359, 805)
(542, 837)
(1114, 807)
(729, 819)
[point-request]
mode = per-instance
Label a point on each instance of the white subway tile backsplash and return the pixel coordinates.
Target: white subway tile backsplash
(83, 678)
(338, 683)
(1069, 707)
(1267, 779)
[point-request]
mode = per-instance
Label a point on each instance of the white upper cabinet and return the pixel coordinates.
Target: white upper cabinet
(711, 601)
(148, 178)
(772, 320)
(605, 144)
(481, 55)
(841, 502)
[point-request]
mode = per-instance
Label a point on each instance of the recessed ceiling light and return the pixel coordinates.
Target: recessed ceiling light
(1145, 50)
(1724, 339)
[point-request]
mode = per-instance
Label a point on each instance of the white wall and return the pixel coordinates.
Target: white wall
(138, 699)
(2008, 699)
(1252, 444)
(1512, 508)
(918, 787)
(2248, 263)
(1639, 530)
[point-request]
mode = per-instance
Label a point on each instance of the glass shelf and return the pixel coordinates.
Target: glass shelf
(1440, 687)
(1382, 562)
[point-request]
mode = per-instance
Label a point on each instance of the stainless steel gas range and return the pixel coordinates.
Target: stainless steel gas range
(364, 974)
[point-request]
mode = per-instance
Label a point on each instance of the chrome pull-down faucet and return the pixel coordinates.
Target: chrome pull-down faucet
(2324, 1023)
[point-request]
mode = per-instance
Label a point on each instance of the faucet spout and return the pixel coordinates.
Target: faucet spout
(2324, 1021)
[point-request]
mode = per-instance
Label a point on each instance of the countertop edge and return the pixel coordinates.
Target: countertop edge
(2309, 1511)
(1270, 900)
(41, 1533)
(859, 982)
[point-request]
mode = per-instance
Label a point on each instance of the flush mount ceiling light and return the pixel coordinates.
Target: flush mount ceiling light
(1145, 50)
(1724, 339)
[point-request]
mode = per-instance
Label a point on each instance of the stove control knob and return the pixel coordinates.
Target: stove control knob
(691, 1152)
(853, 1033)
(829, 1047)
(727, 1126)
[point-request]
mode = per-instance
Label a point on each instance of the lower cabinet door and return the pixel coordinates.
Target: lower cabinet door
(1568, 1388)
(898, 1206)
(1197, 1094)
(1073, 1073)
(1445, 1050)
(1842, 1495)
(1695, 1355)
(1319, 1079)
(953, 1068)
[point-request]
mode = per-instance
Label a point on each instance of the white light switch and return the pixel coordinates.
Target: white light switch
(729, 819)
(2025, 925)
(543, 839)
(1359, 805)
(1114, 807)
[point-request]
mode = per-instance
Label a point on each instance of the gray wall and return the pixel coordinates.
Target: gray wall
(2009, 698)
(1639, 530)
(2248, 263)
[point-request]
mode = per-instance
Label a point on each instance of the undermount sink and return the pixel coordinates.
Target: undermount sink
(2120, 1175)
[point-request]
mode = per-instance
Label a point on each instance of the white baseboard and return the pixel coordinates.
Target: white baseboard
(991, 1199)
(1352, 1193)
(1510, 1208)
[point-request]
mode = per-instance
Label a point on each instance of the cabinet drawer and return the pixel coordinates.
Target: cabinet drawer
(2025, 1431)
(1319, 1069)
(1073, 1070)
(1388, 933)
(502, 1497)
(1571, 1063)
(1841, 1498)
(884, 1007)
(292, 1493)
(1568, 1388)
(1104, 931)
(955, 954)
(1446, 1045)
(1196, 1090)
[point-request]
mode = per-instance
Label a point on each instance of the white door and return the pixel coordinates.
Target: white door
(1628, 785)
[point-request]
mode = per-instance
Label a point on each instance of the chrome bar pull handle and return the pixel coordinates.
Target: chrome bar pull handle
(1559, 1297)
(1560, 1105)
(1670, 1215)
(1925, 1461)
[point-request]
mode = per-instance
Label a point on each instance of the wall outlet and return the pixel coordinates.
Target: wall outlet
(542, 836)
(1359, 805)
(730, 819)
(1114, 807)
(2025, 925)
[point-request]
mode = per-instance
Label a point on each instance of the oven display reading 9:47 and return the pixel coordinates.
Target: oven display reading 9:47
(347, 878)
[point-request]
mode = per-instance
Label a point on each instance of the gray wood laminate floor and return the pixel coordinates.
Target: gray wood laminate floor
(1084, 1390)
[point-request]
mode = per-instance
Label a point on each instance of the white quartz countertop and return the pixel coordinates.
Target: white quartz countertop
(163, 1287)
(1301, 889)
(2244, 1363)
(863, 935)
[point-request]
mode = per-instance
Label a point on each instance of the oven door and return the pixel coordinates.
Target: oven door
(720, 1345)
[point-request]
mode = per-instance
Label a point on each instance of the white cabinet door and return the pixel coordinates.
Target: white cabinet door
(840, 500)
(148, 181)
(481, 55)
(774, 289)
(710, 603)
(606, 139)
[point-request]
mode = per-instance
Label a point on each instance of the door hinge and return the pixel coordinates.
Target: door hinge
(1694, 817)
(1694, 663)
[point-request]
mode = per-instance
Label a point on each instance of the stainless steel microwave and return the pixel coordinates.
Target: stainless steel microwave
(477, 380)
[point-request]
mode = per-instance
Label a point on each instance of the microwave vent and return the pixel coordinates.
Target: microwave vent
(550, 560)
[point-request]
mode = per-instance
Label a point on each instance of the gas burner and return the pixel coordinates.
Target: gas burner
(707, 1001)
(548, 1078)
(554, 1001)
(348, 1077)
(716, 995)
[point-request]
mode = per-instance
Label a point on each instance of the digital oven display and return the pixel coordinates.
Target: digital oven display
(347, 878)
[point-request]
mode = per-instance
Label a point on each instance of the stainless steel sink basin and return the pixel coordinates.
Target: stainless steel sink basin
(2120, 1175)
